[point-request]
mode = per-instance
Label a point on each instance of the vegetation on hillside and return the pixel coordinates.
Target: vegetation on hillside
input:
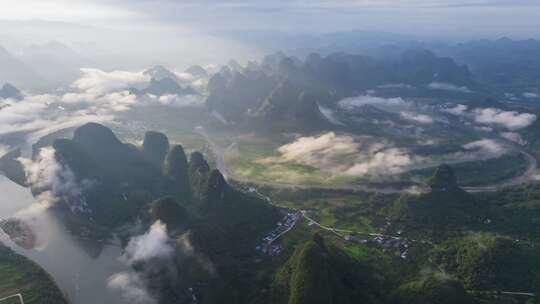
(318, 272)
(490, 262)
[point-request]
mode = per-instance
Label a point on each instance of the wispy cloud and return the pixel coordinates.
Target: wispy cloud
(531, 95)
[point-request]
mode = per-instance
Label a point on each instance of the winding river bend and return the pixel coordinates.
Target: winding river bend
(80, 274)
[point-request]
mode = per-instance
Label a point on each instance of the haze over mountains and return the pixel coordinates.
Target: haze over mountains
(39, 67)
(286, 152)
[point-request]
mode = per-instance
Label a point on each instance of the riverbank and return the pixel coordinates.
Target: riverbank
(19, 275)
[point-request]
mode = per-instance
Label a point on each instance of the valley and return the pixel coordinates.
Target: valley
(329, 178)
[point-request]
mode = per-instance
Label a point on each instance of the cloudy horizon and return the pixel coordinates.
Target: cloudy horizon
(498, 17)
(137, 33)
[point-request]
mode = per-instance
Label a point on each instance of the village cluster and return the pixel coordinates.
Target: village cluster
(285, 225)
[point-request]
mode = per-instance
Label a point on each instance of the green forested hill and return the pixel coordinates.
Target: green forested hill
(322, 273)
(20, 275)
(489, 262)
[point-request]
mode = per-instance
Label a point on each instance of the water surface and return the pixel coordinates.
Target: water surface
(79, 273)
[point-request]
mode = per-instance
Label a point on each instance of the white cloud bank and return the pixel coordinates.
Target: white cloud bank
(511, 120)
(346, 155)
(96, 81)
(39, 115)
(97, 96)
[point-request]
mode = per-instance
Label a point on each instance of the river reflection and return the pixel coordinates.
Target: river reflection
(78, 270)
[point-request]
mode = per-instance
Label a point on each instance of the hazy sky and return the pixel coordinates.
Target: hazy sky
(175, 30)
(498, 17)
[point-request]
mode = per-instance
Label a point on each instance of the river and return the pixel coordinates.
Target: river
(80, 276)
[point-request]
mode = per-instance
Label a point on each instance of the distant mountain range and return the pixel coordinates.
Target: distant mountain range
(55, 62)
(503, 63)
(10, 91)
(41, 67)
(285, 90)
(13, 70)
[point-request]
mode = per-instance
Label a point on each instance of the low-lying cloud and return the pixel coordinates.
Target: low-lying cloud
(511, 120)
(46, 173)
(155, 243)
(3, 150)
(55, 181)
(457, 110)
(97, 96)
(514, 137)
(353, 102)
(384, 162)
(38, 115)
(446, 86)
(530, 95)
(344, 154)
(181, 101)
(96, 81)
(417, 117)
(487, 147)
(395, 86)
(131, 287)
